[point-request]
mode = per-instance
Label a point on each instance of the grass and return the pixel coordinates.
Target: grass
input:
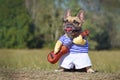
(104, 61)
(25, 59)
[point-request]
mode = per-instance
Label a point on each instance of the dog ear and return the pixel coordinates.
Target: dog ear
(81, 14)
(67, 14)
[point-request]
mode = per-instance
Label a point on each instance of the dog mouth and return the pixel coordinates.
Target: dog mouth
(70, 28)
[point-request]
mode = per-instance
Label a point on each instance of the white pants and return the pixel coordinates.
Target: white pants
(79, 60)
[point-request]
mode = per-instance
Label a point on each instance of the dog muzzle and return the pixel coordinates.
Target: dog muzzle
(70, 28)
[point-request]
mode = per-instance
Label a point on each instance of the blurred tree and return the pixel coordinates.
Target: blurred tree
(47, 19)
(41, 24)
(15, 30)
(112, 11)
(101, 21)
(104, 14)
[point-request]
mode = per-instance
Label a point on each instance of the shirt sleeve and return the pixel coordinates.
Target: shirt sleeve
(66, 41)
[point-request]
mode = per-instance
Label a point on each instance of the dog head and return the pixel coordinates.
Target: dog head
(76, 21)
(73, 23)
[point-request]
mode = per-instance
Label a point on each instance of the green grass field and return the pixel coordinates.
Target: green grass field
(103, 61)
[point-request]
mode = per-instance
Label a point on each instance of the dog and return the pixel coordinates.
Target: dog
(73, 36)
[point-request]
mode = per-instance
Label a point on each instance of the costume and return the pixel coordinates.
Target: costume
(77, 55)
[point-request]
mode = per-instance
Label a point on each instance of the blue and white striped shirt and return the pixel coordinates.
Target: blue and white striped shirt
(74, 48)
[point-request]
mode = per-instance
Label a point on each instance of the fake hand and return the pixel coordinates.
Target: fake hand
(57, 46)
(79, 40)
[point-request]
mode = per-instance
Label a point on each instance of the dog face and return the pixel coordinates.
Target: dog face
(76, 21)
(73, 24)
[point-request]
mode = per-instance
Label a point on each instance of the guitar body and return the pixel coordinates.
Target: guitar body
(53, 58)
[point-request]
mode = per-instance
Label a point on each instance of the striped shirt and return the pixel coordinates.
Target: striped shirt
(74, 48)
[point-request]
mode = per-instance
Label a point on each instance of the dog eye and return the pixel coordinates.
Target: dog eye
(65, 21)
(75, 22)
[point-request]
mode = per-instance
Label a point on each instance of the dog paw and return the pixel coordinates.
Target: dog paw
(90, 71)
(59, 70)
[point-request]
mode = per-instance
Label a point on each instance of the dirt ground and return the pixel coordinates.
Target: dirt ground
(51, 75)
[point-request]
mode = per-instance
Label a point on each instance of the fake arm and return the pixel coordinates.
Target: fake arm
(79, 40)
(57, 46)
